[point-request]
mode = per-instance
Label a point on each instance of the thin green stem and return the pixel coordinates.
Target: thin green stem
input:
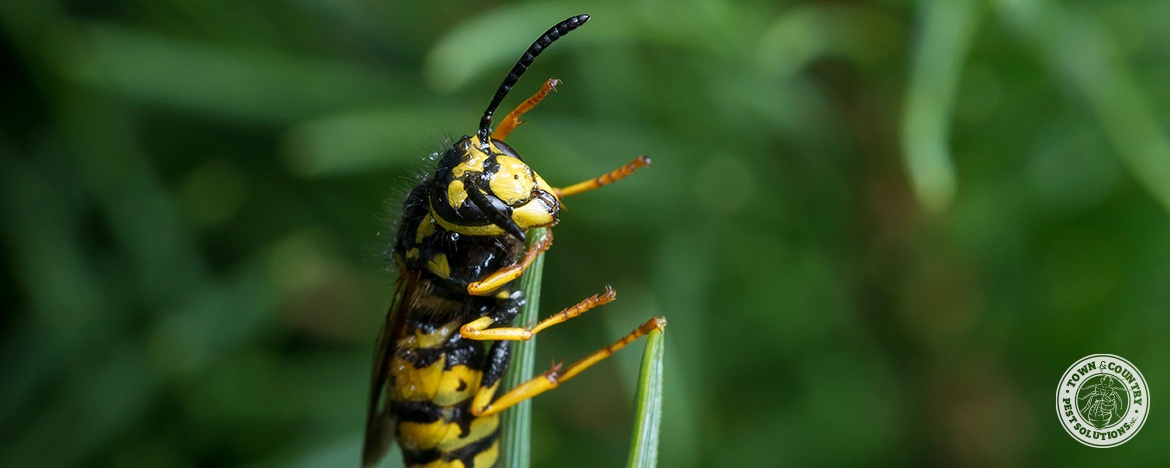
(644, 444)
(517, 421)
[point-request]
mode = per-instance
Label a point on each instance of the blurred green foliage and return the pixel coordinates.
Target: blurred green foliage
(880, 230)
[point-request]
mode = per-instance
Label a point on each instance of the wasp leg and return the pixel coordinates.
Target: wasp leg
(606, 179)
(512, 120)
(493, 281)
(478, 328)
(499, 357)
(552, 378)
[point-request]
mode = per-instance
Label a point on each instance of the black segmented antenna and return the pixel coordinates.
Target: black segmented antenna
(521, 66)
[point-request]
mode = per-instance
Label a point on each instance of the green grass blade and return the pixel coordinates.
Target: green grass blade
(948, 31)
(644, 444)
(517, 421)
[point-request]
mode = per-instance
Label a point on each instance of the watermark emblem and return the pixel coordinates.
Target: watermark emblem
(1102, 400)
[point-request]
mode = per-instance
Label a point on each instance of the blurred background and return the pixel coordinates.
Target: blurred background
(880, 231)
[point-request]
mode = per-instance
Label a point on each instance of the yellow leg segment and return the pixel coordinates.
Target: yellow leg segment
(493, 281)
(513, 119)
(558, 375)
(618, 174)
(478, 328)
(483, 398)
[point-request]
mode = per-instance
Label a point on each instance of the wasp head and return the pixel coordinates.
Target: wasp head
(486, 189)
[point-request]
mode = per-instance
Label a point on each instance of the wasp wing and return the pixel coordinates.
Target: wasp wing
(379, 421)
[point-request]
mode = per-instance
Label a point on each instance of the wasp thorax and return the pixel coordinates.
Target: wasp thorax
(488, 190)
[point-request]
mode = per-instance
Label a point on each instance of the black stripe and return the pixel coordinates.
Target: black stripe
(419, 457)
(424, 357)
(465, 454)
(416, 411)
(457, 351)
(464, 352)
(425, 412)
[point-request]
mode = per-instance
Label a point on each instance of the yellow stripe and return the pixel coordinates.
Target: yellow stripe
(485, 230)
(444, 436)
(413, 383)
(425, 436)
(480, 428)
(488, 457)
(433, 339)
(449, 392)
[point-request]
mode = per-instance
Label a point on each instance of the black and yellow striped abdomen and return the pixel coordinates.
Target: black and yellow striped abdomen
(434, 374)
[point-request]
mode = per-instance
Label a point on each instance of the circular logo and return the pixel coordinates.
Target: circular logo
(1102, 400)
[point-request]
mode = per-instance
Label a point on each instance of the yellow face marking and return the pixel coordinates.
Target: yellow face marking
(535, 213)
(412, 254)
(473, 162)
(532, 214)
(456, 193)
(438, 266)
(513, 182)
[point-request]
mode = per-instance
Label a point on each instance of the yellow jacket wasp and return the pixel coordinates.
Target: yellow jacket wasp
(460, 247)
